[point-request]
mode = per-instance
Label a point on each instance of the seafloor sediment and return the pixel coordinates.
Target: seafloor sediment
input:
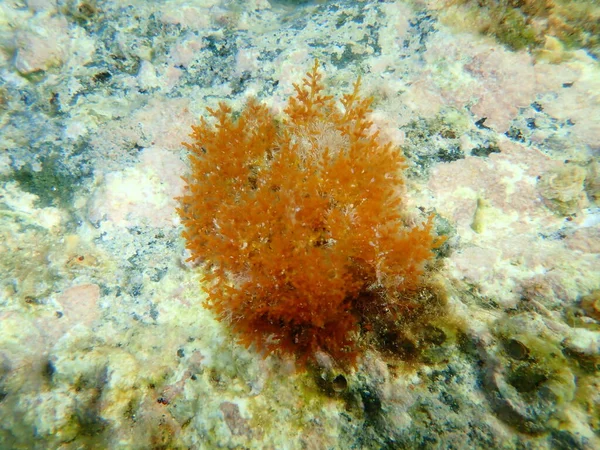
(104, 338)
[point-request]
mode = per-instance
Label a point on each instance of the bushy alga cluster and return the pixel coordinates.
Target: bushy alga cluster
(534, 24)
(294, 219)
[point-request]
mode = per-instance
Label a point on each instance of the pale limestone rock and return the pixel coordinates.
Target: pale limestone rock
(43, 48)
(80, 304)
(145, 192)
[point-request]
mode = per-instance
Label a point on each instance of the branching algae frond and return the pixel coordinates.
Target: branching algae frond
(294, 219)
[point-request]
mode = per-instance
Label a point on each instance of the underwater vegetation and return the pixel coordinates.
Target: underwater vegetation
(297, 222)
(519, 24)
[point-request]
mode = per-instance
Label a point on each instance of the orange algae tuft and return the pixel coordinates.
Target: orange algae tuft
(293, 219)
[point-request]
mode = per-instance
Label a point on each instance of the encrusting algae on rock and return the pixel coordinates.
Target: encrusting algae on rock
(293, 220)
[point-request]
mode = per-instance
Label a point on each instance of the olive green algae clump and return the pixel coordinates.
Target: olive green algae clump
(563, 189)
(534, 24)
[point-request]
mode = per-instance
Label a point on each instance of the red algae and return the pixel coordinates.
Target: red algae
(294, 219)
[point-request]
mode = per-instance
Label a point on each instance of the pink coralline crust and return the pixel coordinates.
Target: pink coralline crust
(163, 121)
(506, 82)
(40, 50)
(187, 16)
(509, 258)
(473, 264)
(80, 304)
(183, 53)
(494, 81)
(157, 124)
(516, 265)
(585, 240)
(512, 264)
(569, 92)
(238, 426)
(143, 193)
(507, 180)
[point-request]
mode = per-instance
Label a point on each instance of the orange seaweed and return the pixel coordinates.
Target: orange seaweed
(292, 219)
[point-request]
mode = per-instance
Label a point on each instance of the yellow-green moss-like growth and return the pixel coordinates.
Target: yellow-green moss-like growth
(530, 23)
